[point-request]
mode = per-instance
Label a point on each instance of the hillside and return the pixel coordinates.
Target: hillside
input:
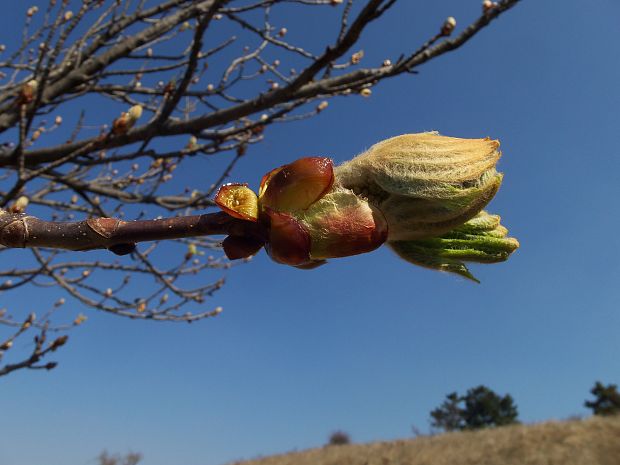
(595, 441)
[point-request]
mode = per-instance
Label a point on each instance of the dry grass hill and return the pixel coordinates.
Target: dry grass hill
(595, 441)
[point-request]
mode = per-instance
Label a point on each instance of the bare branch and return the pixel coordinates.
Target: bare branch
(158, 66)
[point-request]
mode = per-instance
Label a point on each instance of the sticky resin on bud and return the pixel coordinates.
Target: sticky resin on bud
(238, 200)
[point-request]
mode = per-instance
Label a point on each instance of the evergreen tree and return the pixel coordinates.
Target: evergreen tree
(484, 408)
(480, 407)
(607, 399)
(448, 416)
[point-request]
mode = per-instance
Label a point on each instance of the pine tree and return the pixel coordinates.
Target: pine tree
(480, 407)
(448, 416)
(607, 399)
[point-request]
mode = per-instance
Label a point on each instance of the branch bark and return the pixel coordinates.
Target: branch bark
(303, 88)
(21, 231)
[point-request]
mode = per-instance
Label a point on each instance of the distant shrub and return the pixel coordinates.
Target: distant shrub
(607, 399)
(132, 458)
(339, 438)
(479, 408)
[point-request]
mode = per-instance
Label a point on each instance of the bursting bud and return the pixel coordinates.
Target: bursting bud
(423, 194)
(127, 120)
(428, 186)
(425, 184)
(134, 113)
(300, 219)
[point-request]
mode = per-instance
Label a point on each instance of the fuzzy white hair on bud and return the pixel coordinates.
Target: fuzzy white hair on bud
(425, 184)
(135, 113)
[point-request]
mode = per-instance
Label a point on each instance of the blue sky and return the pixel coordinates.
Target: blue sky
(371, 344)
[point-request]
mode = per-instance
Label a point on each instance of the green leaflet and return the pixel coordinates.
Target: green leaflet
(417, 255)
(481, 239)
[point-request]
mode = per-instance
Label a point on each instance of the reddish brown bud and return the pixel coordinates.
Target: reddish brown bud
(236, 247)
(28, 91)
(342, 224)
(289, 242)
(297, 185)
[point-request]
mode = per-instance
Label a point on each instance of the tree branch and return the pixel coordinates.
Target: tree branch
(20, 231)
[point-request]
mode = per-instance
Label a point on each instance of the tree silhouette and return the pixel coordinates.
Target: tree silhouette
(449, 415)
(607, 399)
(338, 438)
(87, 100)
(479, 408)
(131, 458)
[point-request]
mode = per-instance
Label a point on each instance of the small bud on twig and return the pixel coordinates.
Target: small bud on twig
(357, 57)
(59, 342)
(28, 322)
(448, 26)
(20, 205)
(192, 144)
(28, 91)
(487, 5)
(322, 106)
(127, 120)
